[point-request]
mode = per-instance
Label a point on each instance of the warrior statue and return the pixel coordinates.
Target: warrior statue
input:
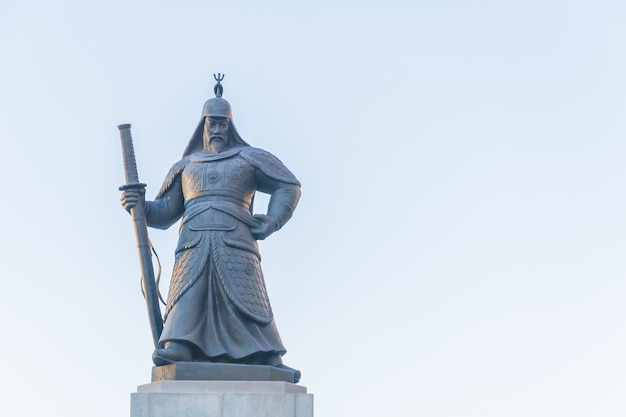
(217, 307)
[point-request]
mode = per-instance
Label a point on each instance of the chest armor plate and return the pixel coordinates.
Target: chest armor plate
(230, 178)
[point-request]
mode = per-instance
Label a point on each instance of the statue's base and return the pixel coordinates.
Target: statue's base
(221, 399)
(200, 389)
(208, 371)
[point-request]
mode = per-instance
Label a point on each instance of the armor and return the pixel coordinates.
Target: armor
(213, 193)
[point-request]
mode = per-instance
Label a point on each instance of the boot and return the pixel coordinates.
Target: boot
(171, 353)
(276, 361)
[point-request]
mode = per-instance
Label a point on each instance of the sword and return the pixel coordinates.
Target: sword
(141, 233)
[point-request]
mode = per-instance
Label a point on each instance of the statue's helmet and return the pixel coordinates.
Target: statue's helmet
(217, 107)
(214, 107)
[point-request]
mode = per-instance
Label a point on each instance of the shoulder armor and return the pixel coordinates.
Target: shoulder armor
(175, 171)
(269, 165)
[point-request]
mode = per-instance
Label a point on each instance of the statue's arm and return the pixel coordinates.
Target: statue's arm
(167, 208)
(169, 204)
(284, 198)
(273, 177)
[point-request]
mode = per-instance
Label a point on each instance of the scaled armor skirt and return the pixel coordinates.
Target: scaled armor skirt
(205, 317)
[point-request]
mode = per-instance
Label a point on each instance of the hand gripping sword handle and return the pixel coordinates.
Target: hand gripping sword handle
(141, 233)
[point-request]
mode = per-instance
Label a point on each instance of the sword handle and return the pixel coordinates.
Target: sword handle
(128, 154)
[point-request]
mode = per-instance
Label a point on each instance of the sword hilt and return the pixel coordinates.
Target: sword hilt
(128, 152)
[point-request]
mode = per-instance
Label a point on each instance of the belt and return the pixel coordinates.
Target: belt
(220, 194)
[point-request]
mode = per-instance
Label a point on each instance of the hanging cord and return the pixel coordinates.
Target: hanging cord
(158, 277)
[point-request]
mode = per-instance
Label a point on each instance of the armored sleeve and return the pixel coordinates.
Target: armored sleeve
(269, 165)
(168, 206)
(274, 178)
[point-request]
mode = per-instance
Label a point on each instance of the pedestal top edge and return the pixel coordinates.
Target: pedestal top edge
(221, 387)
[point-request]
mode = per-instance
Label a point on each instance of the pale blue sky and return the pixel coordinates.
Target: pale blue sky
(459, 247)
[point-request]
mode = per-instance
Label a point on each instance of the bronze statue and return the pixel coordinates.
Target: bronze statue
(217, 307)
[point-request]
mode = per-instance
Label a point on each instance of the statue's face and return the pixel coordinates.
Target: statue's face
(216, 134)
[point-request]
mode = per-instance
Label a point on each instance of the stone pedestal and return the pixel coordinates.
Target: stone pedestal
(182, 392)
